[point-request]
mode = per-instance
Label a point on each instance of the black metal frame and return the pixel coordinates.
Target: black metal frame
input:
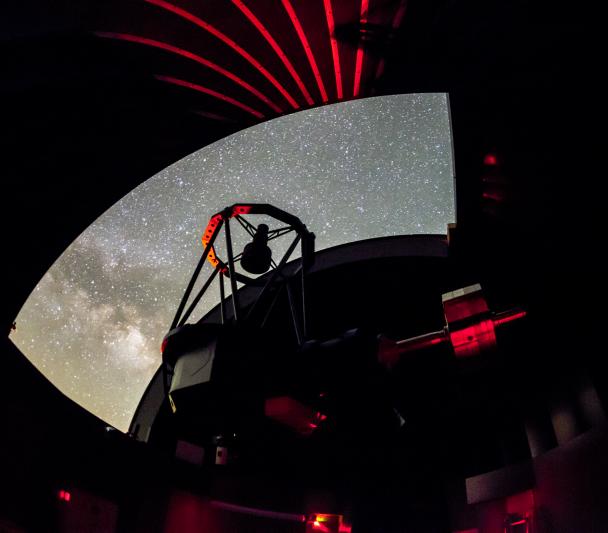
(222, 219)
(266, 281)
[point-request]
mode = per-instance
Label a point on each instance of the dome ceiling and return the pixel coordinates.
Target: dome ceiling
(250, 60)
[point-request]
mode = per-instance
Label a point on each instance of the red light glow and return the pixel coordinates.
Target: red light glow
(329, 523)
(201, 60)
(474, 339)
(490, 160)
(64, 495)
(291, 413)
(318, 526)
(241, 210)
(210, 92)
(360, 51)
(309, 54)
(278, 50)
(329, 14)
(232, 44)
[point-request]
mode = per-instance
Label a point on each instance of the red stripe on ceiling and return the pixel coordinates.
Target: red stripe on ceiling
(360, 51)
(309, 54)
(397, 20)
(212, 116)
(227, 40)
(185, 53)
(210, 92)
(278, 50)
(329, 14)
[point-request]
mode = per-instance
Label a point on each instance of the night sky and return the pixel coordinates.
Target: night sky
(355, 170)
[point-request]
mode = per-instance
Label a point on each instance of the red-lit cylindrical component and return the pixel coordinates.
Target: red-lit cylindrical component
(466, 341)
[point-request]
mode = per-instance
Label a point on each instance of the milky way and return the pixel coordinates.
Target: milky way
(350, 171)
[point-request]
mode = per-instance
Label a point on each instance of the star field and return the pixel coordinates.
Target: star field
(355, 170)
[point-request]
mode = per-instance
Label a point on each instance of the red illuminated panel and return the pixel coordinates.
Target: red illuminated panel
(329, 14)
(360, 51)
(201, 60)
(210, 92)
(522, 503)
(278, 50)
(211, 228)
(474, 339)
(64, 495)
(207, 234)
(304, 40)
(225, 39)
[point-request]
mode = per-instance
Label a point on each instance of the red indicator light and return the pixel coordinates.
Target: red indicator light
(64, 495)
(490, 160)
